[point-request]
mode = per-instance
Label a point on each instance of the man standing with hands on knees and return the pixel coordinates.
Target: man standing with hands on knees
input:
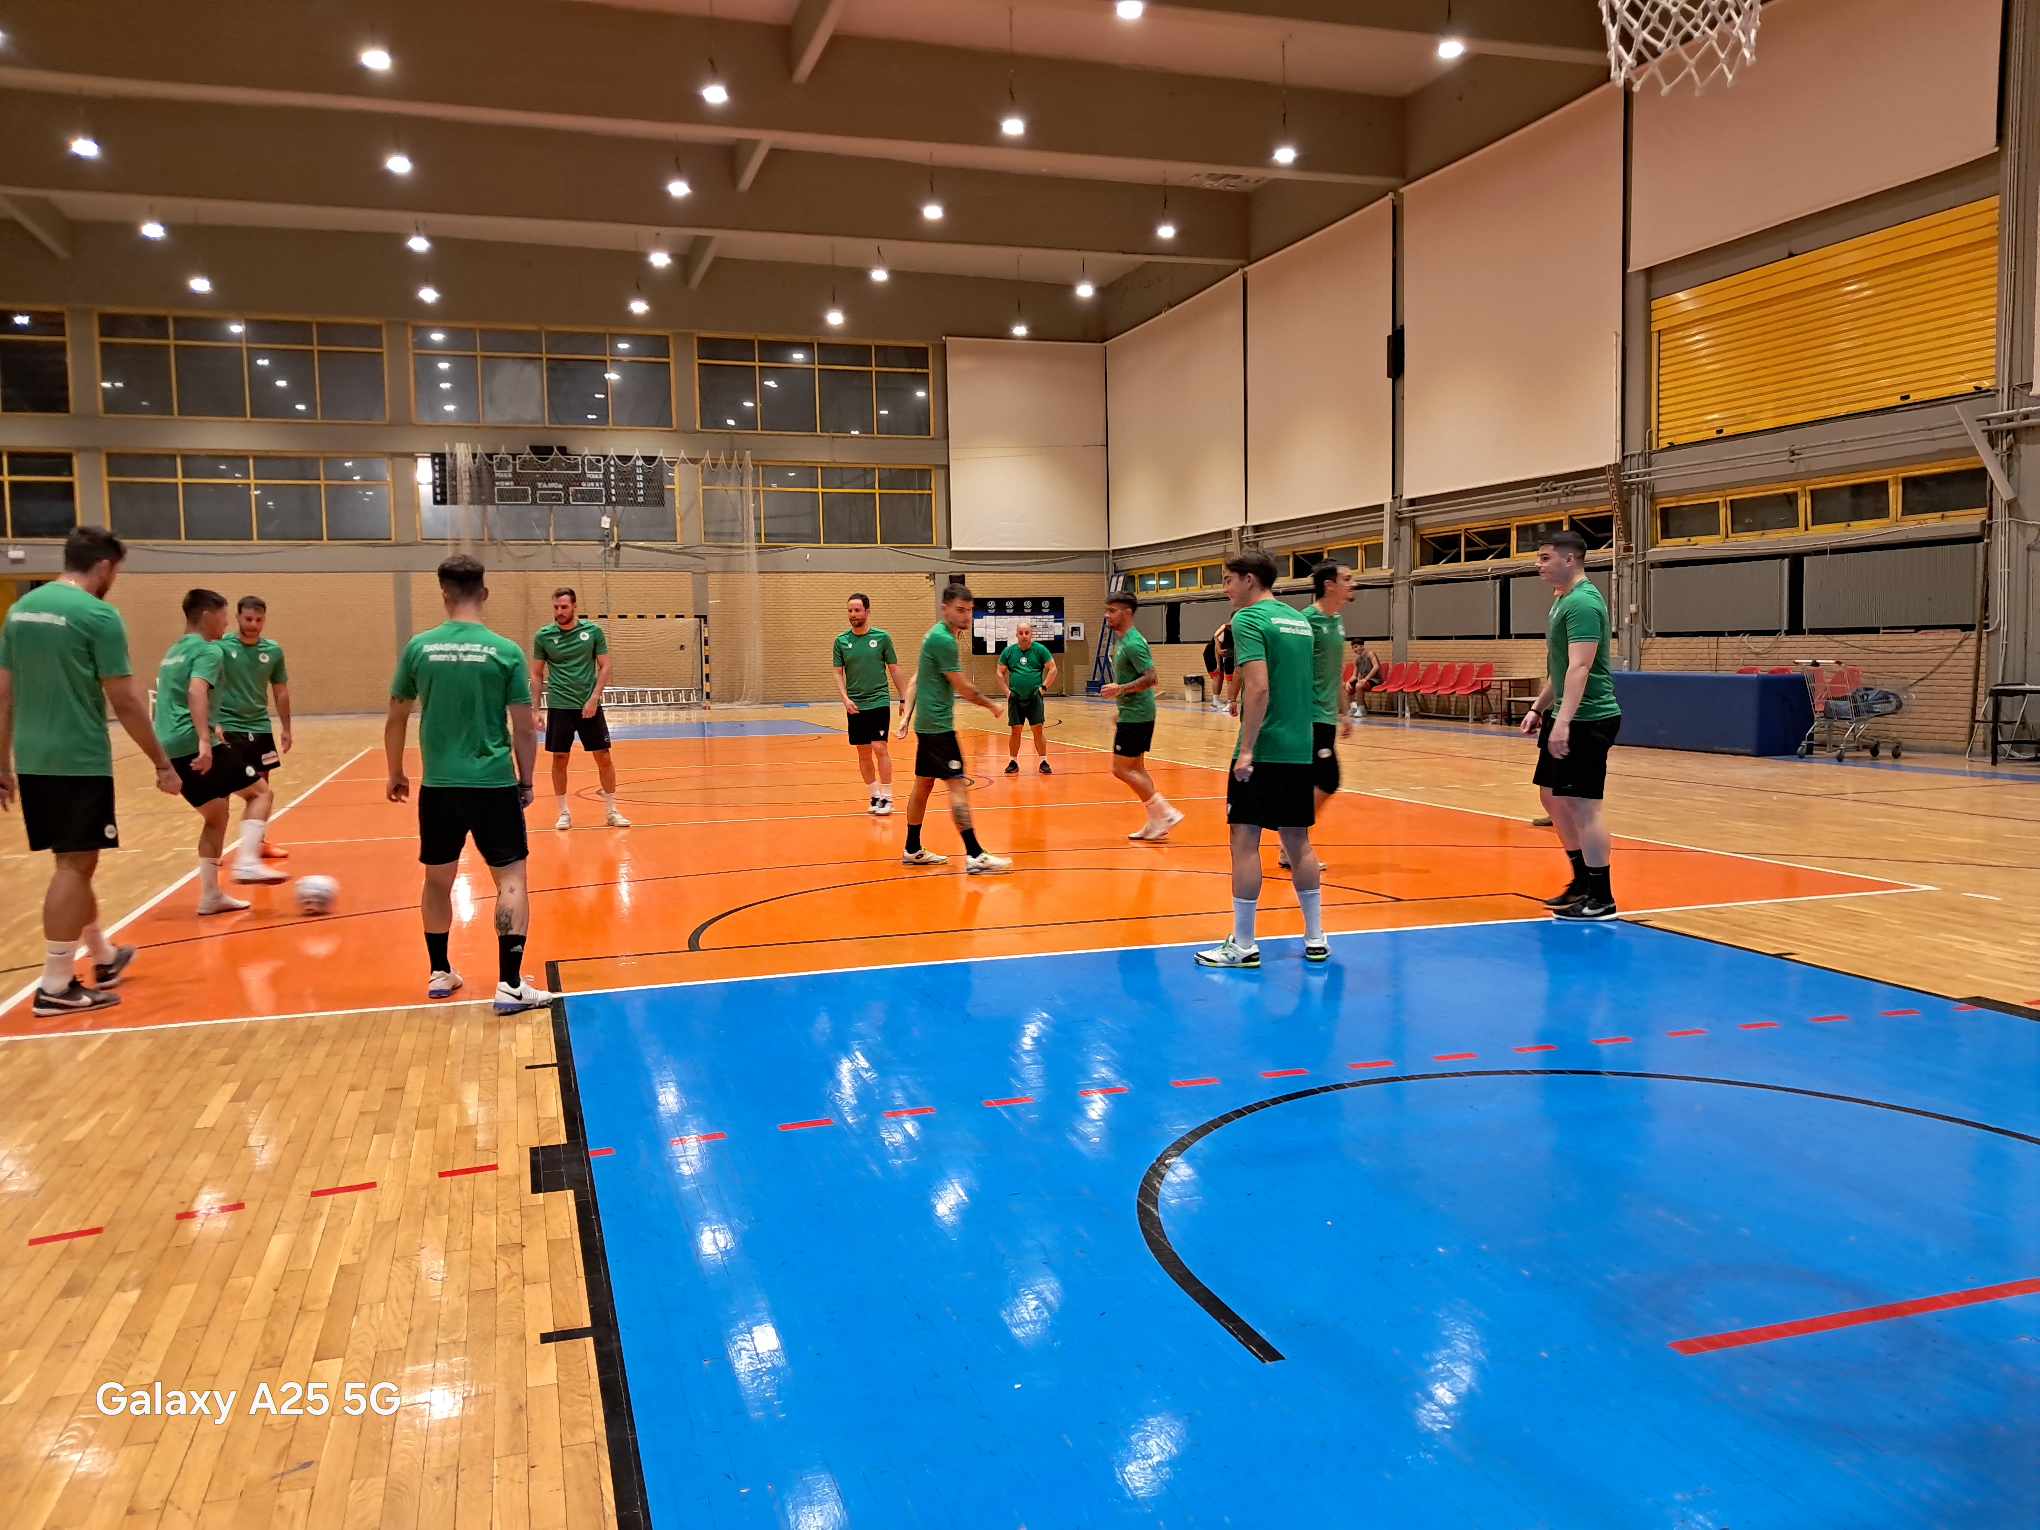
(1026, 669)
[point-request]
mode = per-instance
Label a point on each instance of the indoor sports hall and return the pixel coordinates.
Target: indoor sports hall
(1052, 764)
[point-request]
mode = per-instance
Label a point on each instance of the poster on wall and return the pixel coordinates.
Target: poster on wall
(997, 619)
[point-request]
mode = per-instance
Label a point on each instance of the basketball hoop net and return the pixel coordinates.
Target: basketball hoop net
(1674, 41)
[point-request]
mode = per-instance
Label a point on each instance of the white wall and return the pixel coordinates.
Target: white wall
(1026, 446)
(1175, 403)
(1512, 305)
(1319, 402)
(1846, 98)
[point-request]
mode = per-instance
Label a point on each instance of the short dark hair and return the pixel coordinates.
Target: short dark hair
(88, 546)
(198, 602)
(1255, 565)
(1124, 598)
(863, 600)
(957, 592)
(251, 603)
(1566, 542)
(1324, 576)
(568, 591)
(463, 576)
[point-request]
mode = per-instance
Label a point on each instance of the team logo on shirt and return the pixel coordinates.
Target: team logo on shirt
(585, 636)
(872, 643)
(262, 658)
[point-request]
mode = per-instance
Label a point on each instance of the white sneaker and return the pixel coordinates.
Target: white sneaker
(616, 820)
(978, 865)
(443, 985)
(1159, 829)
(923, 858)
(1226, 954)
(1145, 831)
(221, 903)
(255, 871)
(525, 995)
(882, 808)
(1319, 950)
(871, 806)
(564, 821)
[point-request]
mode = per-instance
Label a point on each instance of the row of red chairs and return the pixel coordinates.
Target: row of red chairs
(1454, 681)
(1836, 680)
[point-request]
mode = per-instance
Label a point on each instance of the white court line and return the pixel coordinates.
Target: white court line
(133, 914)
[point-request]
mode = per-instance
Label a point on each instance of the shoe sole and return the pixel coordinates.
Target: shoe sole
(987, 871)
(225, 908)
(943, 861)
(74, 1009)
(1247, 966)
(1315, 954)
(1570, 917)
(521, 1006)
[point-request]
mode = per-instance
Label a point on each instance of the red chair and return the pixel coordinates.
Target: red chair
(1479, 685)
(1395, 680)
(1750, 669)
(1450, 678)
(1784, 669)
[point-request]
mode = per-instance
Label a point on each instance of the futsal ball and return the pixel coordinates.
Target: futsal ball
(317, 895)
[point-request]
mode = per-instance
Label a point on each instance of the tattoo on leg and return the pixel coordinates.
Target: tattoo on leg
(503, 920)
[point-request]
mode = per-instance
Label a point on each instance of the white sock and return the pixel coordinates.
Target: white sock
(56, 968)
(1243, 911)
(209, 875)
(251, 841)
(1158, 807)
(609, 801)
(560, 802)
(1313, 912)
(97, 945)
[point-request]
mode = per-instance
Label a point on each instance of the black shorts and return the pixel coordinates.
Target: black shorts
(231, 772)
(1324, 757)
(1584, 770)
(1132, 740)
(938, 757)
(1026, 709)
(447, 815)
(1273, 797)
(257, 749)
(873, 725)
(72, 815)
(565, 724)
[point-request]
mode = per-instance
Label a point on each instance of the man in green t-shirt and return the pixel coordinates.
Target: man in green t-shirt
(1573, 742)
(931, 702)
(209, 768)
(478, 743)
(572, 673)
(867, 672)
(1332, 585)
(1271, 785)
(1026, 668)
(1133, 687)
(63, 662)
(252, 666)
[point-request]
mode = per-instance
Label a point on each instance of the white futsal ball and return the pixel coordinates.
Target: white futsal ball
(317, 895)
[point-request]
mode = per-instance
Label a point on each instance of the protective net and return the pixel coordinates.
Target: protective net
(1676, 42)
(731, 511)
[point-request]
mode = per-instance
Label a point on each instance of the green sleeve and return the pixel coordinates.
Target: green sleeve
(836, 652)
(404, 684)
(891, 654)
(209, 664)
(279, 672)
(943, 646)
(1006, 655)
(538, 644)
(601, 641)
(110, 648)
(1250, 639)
(1583, 623)
(520, 677)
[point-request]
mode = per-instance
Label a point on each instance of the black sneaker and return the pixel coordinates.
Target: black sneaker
(73, 1000)
(1574, 891)
(1587, 909)
(1012, 767)
(108, 974)
(1045, 770)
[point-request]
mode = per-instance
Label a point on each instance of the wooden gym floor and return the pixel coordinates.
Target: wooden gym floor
(273, 1164)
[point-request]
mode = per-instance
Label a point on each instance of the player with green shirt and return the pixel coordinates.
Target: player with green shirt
(931, 703)
(1332, 585)
(478, 742)
(1272, 774)
(572, 656)
(210, 769)
(1133, 687)
(1573, 742)
(63, 662)
(867, 672)
(253, 666)
(1026, 669)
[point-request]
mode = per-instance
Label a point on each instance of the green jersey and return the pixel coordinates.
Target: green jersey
(1580, 615)
(934, 697)
(1130, 660)
(863, 657)
(190, 658)
(58, 643)
(248, 670)
(1026, 668)
(569, 656)
(1275, 634)
(1328, 639)
(464, 677)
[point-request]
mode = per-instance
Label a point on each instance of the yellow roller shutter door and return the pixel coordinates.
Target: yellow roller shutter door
(1904, 314)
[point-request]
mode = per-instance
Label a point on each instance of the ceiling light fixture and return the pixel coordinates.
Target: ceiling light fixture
(1450, 48)
(1285, 146)
(151, 229)
(84, 146)
(713, 90)
(1019, 329)
(428, 294)
(1013, 124)
(677, 188)
(200, 284)
(418, 243)
(834, 317)
(1086, 288)
(398, 164)
(879, 273)
(658, 259)
(640, 307)
(377, 59)
(931, 210)
(1130, 10)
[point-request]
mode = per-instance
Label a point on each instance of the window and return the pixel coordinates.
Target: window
(831, 506)
(1754, 515)
(206, 366)
(194, 497)
(810, 387)
(464, 375)
(1531, 535)
(40, 490)
(1596, 528)
(1849, 504)
(35, 370)
(1439, 547)
(1689, 523)
(1965, 491)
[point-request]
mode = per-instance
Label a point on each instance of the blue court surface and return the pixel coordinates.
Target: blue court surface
(766, 727)
(1404, 1240)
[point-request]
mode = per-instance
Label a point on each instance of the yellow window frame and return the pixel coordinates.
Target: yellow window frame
(814, 343)
(62, 340)
(542, 355)
(252, 482)
(241, 344)
(9, 478)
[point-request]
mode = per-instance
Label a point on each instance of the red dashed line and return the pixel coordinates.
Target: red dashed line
(917, 1110)
(602, 1152)
(1827, 1019)
(1018, 1099)
(1455, 1056)
(1760, 1025)
(1698, 1031)
(65, 1237)
(1285, 1073)
(210, 1211)
(1967, 1009)
(366, 1184)
(1893, 1014)
(1545, 1046)
(480, 1168)
(1191, 1083)
(1613, 1041)
(803, 1126)
(1109, 1089)
(700, 1137)
(1382, 1063)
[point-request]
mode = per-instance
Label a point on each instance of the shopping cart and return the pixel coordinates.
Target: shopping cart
(1846, 705)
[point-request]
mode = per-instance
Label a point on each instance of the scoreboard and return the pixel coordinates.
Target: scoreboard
(995, 620)
(542, 477)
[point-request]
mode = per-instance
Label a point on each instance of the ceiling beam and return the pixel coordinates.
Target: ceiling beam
(1555, 31)
(44, 222)
(814, 23)
(700, 256)
(749, 155)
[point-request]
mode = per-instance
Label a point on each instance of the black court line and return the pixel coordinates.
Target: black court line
(566, 1167)
(1147, 1203)
(564, 1335)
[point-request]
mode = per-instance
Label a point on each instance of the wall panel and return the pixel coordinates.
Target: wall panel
(1176, 408)
(1026, 446)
